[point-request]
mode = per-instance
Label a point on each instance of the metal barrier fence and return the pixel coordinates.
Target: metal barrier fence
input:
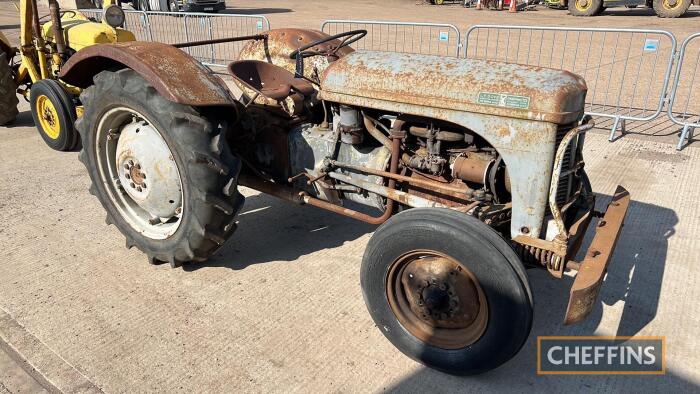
(620, 66)
(684, 101)
(421, 38)
(176, 27)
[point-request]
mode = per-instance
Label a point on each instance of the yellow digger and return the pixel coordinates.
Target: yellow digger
(32, 69)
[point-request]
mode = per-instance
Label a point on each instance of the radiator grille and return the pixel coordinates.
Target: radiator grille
(568, 183)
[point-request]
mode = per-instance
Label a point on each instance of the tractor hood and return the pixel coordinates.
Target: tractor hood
(487, 87)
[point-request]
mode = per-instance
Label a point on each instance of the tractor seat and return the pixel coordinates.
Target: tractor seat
(271, 81)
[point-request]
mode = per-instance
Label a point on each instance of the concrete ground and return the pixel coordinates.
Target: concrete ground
(279, 308)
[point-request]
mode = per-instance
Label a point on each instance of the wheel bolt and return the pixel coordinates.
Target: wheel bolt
(131, 162)
(132, 184)
(138, 188)
(143, 185)
(178, 211)
(138, 166)
(126, 166)
(143, 175)
(127, 176)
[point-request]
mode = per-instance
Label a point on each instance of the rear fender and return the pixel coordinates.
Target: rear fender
(174, 74)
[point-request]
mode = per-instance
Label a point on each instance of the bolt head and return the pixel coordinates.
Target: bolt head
(132, 184)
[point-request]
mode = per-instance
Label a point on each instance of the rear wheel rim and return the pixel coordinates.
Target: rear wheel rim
(436, 299)
(139, 173)
(672, 4)
(583, 5)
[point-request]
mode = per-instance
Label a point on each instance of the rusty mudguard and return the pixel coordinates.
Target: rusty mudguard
(590, 274)
(173, 73)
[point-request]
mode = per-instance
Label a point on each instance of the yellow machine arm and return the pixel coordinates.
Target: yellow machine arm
(75, 30)
(29, 22)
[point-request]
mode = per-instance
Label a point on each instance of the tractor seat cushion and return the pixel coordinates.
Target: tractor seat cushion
(269, 80)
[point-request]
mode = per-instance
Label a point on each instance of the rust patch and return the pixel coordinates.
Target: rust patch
(277, 47)
(510, 90)
(173, 73)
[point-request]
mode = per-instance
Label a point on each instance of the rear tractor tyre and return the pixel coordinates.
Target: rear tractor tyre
(54, 115)
(162, 170)
(447, 290)
(8, 92)
(585, 7)
(671, 8)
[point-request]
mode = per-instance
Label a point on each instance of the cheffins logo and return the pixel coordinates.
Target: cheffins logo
(589, 355)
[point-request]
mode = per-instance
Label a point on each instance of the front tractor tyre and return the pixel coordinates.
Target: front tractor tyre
(161, 170)
(54, 115)
(585, 7)
(671, 8)
(8, 92)
(447, 290)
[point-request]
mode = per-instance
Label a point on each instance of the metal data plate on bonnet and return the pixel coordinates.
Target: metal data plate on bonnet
(504, 100)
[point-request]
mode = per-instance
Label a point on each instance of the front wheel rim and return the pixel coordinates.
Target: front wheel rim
(139, 172)
(436, 299)
(48, 117)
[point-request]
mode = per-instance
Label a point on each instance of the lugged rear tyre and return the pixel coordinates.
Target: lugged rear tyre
(8, 93)
(208, 199)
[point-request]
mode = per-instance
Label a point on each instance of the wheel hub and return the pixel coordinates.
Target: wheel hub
(439, 292)
(148, 172)
(671, 3)
(48, 117)
(437, 299)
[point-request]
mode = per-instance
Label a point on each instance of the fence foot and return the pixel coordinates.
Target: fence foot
(686, 134)
(619, 124)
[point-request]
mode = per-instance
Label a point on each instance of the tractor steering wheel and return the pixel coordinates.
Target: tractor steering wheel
(350, 37)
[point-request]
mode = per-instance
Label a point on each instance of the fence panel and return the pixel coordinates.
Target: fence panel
(200, 26)
(684, 104)
(408, 37)
(627, 70)
(177, 27)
